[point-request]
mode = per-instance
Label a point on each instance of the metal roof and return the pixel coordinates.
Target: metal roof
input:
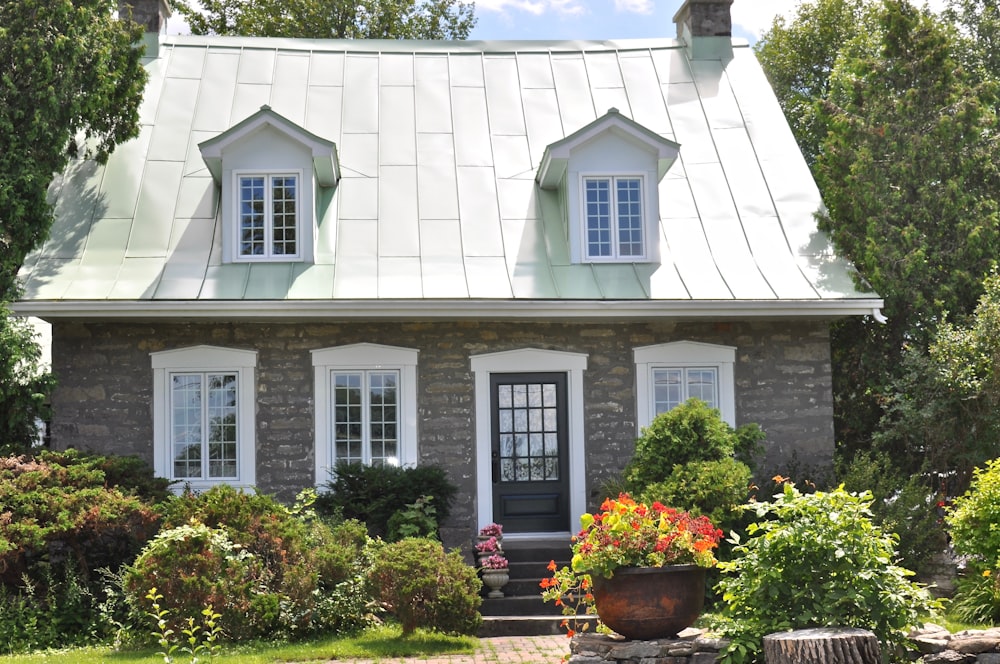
(437, 211)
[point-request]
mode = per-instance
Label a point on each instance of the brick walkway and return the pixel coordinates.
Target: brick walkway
(492, 650)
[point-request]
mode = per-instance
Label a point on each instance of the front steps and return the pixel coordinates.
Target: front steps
(521, 612)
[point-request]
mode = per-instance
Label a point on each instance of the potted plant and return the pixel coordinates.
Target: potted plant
(641, 568)
(495, 573)
(491, 530)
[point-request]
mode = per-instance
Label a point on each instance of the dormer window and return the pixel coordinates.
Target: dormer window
(271, 172)
(614, 223)
(268, 215)
(606, 174)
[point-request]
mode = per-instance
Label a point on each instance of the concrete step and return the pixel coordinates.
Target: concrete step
(525, 625)
(511, 605)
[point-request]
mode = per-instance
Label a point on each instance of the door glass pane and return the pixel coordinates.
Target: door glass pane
(528, 436)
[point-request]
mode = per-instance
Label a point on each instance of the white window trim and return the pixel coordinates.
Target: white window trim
(201, 359)
(234, 223)
(524, 361)
(648, 205)
(683, 354)
(362, 357)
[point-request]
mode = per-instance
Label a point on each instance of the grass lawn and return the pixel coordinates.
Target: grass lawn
(375, 643)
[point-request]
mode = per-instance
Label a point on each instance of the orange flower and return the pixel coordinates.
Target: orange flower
(552, 566)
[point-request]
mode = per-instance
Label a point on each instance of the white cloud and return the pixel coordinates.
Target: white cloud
(533, 7)
(634, 6)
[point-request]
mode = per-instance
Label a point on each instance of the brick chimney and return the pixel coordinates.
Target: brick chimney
(706, 28)
(152, 15)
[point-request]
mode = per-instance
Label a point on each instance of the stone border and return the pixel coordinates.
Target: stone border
(690, 647)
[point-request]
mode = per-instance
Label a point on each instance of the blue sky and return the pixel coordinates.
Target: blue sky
(596, 19)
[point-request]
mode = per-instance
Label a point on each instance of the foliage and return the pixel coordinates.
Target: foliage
(974, 524)
(418, 519)
(56, 611)
(422, 585)
(59, 509)
(24, 384)
(690, 432)
(714, 488)
(201, 640)
(71, 84)
(491, 530)
(978, 23)
(372, 494)
(323, 19)
(908, 505)
(816, 560)
(905, 154)
(297, 574)
(627, 534)
(197, 566)
(799, 54)
(496, 561)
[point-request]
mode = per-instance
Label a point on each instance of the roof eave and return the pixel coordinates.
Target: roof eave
(449, 309)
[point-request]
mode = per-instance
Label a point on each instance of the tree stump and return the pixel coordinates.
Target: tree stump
(822, 645)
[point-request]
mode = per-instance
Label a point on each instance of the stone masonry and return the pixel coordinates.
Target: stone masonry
(103, 402)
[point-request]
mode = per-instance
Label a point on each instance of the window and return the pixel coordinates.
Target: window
(366, 417)
(366, 409)
(614, 217)
(203, 410)
(268, 216)
(671, 373)
(673, 386)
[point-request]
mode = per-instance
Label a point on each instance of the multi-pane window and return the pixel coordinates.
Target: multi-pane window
(268, 216)
(614, 217)
(528, 426)
(204, 431)
(366, 417)
(674, 386)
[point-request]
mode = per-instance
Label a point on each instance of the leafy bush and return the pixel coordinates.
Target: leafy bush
(974, 522)
(290, 572)
(58, 611)
(24, 385)
(690, 432)
(197, 566)
(903, 504)
(372, 494)
(817, 560)
(715, 489)
(418, 519)
(423, 586)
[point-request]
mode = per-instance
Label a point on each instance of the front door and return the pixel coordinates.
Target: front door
(529, 452)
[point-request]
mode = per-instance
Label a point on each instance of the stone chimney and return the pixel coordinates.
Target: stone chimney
(152, 15)
(706, 28)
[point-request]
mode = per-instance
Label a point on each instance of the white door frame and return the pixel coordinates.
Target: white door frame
(528, 360)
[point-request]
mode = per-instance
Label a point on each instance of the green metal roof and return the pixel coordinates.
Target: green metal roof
(437, 211)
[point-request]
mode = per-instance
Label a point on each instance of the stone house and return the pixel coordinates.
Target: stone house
(500, 257)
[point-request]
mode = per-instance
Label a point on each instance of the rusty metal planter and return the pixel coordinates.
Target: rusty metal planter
(650, 602)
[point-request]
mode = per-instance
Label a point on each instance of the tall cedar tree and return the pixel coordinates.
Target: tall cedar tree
(70, 86)
(332, 19)
(909, 173)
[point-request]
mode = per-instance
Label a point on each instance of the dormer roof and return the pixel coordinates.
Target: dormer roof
(324, 152)
(556, 157)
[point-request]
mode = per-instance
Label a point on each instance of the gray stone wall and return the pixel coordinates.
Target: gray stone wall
(782, 373)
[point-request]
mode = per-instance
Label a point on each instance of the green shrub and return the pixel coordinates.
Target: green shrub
(418, 519)
(974, 523)
(815, 560)
(196, 566)
(423, 586)
(372, 494)
(715, 489)
(300, 569)
(903, 504)
(690, 432)
(57, 612)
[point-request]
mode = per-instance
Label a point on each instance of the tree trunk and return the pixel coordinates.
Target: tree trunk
(823, 645)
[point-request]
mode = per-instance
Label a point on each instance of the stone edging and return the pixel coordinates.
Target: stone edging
(690, 647)
(971, 646)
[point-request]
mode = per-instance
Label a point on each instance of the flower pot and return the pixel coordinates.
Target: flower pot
(495, 579)
(650, 602)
